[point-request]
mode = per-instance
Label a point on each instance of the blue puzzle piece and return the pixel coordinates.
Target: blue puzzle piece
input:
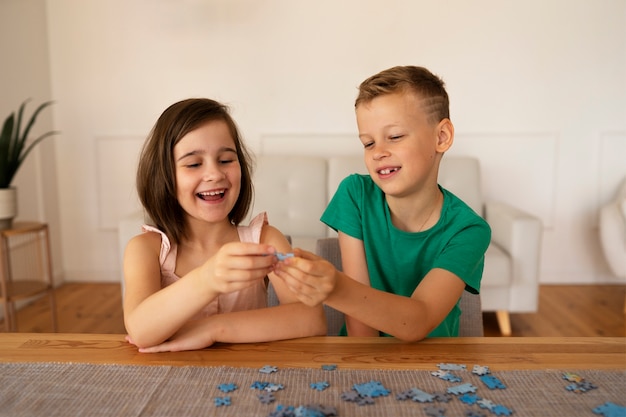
(320, 386)
(220, 401)
(268, 369)
(609, 409)
(461, 389)
(446, 376)
(227, 387)
(371, 389)
(330, 367)
(283, 256)
(469, 398)
(451, 367)
(492, 382)
(421, 396)
(501, 410)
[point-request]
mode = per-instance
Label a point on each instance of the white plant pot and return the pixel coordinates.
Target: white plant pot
(8, 207)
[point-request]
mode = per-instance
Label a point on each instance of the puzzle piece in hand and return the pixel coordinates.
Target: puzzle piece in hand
(446, 376)
(268, 369)
(492, 382)
(451, 367)
(480, 370)
(227, 387)
(220, 401)
(320, 386)
(371, 389)
(609, 409)
(461, 389)
(283, 256)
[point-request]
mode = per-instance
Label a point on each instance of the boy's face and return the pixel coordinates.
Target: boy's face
(401, 145)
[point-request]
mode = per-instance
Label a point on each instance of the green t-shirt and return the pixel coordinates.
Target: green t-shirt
(397, 261)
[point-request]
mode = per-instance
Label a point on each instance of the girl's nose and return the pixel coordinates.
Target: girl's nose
(213, 172)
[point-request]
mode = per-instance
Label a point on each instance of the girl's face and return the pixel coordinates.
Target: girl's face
(400, 144)
(208, 173)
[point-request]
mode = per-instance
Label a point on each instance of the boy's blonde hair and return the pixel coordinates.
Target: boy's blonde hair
(414, 79)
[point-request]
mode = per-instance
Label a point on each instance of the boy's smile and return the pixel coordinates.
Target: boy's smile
(400, 143)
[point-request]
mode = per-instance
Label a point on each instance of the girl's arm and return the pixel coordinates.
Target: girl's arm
(291, 319)
(153, 314)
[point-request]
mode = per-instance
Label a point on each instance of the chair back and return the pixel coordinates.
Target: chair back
(470, 322)
(461, 176)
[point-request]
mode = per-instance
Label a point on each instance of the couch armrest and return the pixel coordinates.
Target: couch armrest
(520, 235)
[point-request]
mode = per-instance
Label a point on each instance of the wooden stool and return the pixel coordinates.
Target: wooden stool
(25, 269)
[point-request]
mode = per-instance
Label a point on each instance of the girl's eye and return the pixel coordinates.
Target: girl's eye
(227, 161)
(193, 165)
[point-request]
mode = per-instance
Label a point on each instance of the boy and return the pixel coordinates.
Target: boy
(409, 247)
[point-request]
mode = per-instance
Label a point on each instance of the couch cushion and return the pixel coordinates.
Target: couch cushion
(498, 268)
(292, 190)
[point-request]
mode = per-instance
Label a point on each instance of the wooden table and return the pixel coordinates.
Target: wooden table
(349, 353)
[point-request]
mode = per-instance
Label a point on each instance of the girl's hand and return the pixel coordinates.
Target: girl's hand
(194, 335)
(310, 277)
(238, 265)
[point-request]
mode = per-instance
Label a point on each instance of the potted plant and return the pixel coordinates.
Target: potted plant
(13, 151)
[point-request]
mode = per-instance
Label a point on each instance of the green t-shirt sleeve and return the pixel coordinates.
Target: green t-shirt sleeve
(342, 213)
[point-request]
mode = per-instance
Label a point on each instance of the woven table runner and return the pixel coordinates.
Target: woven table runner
(61, 389)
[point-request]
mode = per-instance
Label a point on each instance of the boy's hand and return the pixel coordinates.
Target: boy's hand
(310, 277)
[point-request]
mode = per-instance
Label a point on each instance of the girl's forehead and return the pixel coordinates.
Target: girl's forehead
(213, 136)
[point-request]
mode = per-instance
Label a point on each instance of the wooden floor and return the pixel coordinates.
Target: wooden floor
(564, 310)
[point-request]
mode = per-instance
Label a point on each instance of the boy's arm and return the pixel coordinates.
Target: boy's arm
(354, 266)
(408, 318)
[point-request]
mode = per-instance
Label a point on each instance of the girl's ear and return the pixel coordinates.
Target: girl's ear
(445, 135)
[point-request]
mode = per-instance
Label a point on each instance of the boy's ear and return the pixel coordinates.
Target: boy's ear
(445, 135)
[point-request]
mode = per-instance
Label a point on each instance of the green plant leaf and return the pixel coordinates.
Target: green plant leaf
(13, 149)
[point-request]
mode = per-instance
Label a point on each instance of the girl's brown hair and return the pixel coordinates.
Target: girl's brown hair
(156, 174)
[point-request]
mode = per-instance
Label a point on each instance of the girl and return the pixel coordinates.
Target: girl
(197, 277)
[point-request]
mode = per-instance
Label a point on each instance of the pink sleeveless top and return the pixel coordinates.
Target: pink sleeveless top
(249, 298)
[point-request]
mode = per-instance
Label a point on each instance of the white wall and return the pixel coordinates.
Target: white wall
(25, 73)
(538, 92)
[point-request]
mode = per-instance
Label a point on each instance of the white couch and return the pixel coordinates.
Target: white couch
(295, 189)
(612, 229)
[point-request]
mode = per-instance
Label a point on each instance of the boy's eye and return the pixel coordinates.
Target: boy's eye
(368, 145)
(394, 137)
